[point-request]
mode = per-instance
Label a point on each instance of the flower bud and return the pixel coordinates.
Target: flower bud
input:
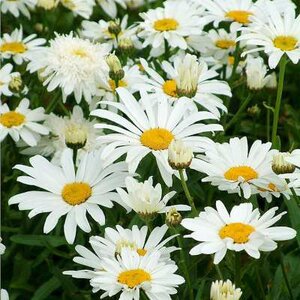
(224, 290)
(254, 110)
(115, 68)
(126, 46)
(75, 136)
(280, 165)
(47, 4)
(16, 84)
(173, 217)
(179, 155)
(114, 28)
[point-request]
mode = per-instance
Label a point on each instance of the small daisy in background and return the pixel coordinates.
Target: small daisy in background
(18, 7)
(172, 23)
(146, 199)
(235, 168)
(150, 128)
(22, 123)
(6, 77)
(18, 47)
(47, 4)
(69, 192)
(83, 8)
(224, 290)
(73, 64)
(110, 6)
(240, 229)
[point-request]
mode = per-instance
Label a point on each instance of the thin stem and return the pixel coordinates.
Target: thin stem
(282, 65)
(239, 112)
(75, 156)
(187, 192)
(285, 277)
(237, 273)
(268, 119)
(236, 57)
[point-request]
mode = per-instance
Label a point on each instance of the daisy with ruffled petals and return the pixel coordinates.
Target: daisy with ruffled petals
(150, 128)
(19, 48)
(22, 123)
(234, 168)
(241, 229)
(69, 192)
(17, 7)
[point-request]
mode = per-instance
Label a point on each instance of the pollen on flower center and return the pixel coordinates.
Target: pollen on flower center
(225, 44)
(14, 47)
(170, 88)
(231, 60)
(240, 16)
(166, 24)
(79, 52)
(11, 119)
(141, 252)
(112, 84)
(239, 232)
(157, 138)
(133, 278)
(76, 193)
(285, 42)
(245, 172)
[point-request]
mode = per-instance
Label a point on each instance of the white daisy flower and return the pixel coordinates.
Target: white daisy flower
(22, 123)
(256, 72)
(276, 34)
(241, 229)
(110, 6)
(233, 168)
(65, 131)
(70, 192)
(6, 76)
(171, 23)
(130, 273)
(224, 290)
(150, 128)
(146, 199)
(134, 4)
(17, 7)
(72, 64)
(83, 8)
(114, 241)
(4, 295)
(2, 247)
(188, 78)
(47, 4)
(18, 48)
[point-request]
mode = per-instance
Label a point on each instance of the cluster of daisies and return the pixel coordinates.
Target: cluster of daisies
(156, 87)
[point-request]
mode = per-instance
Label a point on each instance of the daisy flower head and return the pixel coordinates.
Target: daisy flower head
(171, 23)
(224, 290)
(188, 78)
(18, 7)
(70, 192)
(18, 48)
(83, 8)
(72, 131)
(47, 4)
(110, 6)
(277, 34)
(233, 167)
(129, 273)
(146, 199)
(148, 127)
(73, 64)
(22, 123)
(7, 76)
(243, 228)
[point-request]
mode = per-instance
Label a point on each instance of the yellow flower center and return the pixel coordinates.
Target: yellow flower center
(246, 172)
(12, 119)
(271, 186)
(112, 84)
(170, 88)
(239, 232)
(141, 252)
(225, 44)
(157, 138)
(166, 24)
(240, 16)
(285, 42)
(133, 278)
(13, 47)
(79, 52)
(231, 60)
(76, 193)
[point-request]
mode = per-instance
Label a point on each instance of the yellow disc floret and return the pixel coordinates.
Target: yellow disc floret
(13, 47)
(157, 138)
(285, 42)
(170, 88)
(133, 278)
(225, 44)
(166, 24)
(245, 172)
(76, 193)
(239, 232)
(12, 119)
(240, 16)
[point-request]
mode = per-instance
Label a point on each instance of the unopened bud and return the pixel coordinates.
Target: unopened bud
(280, 165)
(75, 136)
(254, 110)
(47, 4)
(126, 46)
(115, 68)
(114, 27)
(173, 217)
(224, 290)
(179, 155)
(16, 84)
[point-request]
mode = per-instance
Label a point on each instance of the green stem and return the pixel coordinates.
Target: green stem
(285, 277)
(75, 157)
(260, 284)
(236, 58)
(186, 191)
(219, 272)
(268, 119)
(237, 273)
(282, 66)
(239, 112)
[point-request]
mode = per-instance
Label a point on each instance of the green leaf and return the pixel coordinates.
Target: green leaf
(46, 289)
(38, 240)
(294, 214)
